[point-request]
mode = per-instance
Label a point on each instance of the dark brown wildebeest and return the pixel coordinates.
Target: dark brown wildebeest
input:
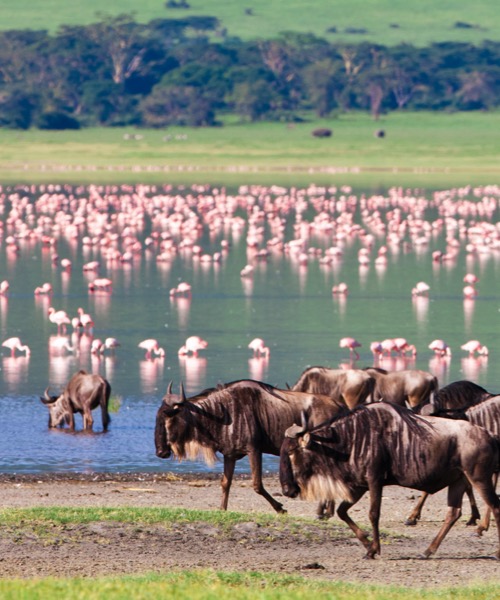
(238, 419)
(354, 386)
(409, 387)
(385, 444)
(468, 401)
(82, 394)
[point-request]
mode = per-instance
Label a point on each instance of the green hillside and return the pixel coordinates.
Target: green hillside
(387, 22)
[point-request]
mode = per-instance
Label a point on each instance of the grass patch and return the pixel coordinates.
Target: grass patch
(385, 21)
(420, 148)
(207, 585)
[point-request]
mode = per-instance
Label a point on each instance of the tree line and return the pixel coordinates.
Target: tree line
(117, 72)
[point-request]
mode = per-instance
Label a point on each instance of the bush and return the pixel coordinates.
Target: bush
(57, 120)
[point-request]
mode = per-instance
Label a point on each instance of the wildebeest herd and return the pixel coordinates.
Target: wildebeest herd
(339, 433)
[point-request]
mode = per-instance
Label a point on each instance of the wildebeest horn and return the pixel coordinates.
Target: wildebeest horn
(169, 388)
(46, 398)
(183, 393)
(304, 419)
(294, 431)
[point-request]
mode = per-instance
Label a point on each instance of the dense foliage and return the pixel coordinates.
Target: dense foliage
(172, 72)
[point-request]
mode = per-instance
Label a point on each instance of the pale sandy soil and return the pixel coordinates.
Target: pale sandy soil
(332, 553)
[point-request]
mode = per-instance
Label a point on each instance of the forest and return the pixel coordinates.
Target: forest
(189, 71)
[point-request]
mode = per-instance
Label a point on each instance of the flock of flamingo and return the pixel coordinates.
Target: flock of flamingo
(116, 225)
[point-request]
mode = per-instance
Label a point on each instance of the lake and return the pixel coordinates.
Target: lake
(296, 244)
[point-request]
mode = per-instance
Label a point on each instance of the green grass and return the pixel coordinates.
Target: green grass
(419, 148)
(386, 21)
(208, 585)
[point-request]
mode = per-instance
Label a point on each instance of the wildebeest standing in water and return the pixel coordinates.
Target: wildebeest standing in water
(384, 444)
(238, 419)
(354, 386)
(82, 394)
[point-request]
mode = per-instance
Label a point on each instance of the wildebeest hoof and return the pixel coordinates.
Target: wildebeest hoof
(424, 555)
(410, 522)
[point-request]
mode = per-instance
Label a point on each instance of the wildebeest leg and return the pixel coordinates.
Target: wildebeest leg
(485, 523)
(227, 478)
(342, 512)
(255, 460)
(326, 509)
(416, 513)
(88, 421)
(374, 514)
(455, 494)
(104, 412)
(474, 510)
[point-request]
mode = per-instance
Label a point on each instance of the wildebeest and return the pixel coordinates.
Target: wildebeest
(385, 444)
(409, 387)
(241, 418)
(468, 401)
(82, 394)
(354, 386)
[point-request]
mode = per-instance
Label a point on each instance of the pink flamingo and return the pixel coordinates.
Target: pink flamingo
(14, 343)
(151, 345)
(101, 283)
(440, 348)
(45, 288)
(85, 319)
(376, 348)
(192, 345)
(471, 279)
(4, 287)
(110, 343)
(259, 348)
(473, 347)
(182, 289)
(402, 347)
(388, 346)
(95, 346)
(352, 344)
(421, 289)
(341, 288)
(59, 318)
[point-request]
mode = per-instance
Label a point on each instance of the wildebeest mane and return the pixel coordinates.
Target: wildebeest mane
(486, 414)
(460, 395)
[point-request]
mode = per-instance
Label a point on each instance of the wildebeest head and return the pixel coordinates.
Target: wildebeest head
(171, 405)
(292, 459)
(58, 410)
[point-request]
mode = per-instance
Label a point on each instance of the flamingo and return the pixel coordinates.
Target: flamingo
(402, 347)
(352, 344)
(101, 283)
(95, 346)
(182, 289)
(421, 289)
(440, 348)
(58, 343)
(45, 288)
(376, 348)
(473, 346)
(151, 345)
(4, 287)
(110, 343)
(341, 288)
(85, 319)
(14, 343)
(388, 346)
(259, 347)
(471, 279)
(59, 318)
(192, 345)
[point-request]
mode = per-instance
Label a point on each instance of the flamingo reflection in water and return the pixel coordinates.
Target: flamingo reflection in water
(15, 370)
(194, 369)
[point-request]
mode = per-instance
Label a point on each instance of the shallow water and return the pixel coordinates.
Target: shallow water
(288, 304)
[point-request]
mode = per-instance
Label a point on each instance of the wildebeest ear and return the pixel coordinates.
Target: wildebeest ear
(428, 410)
(305, 440)
(294, 431)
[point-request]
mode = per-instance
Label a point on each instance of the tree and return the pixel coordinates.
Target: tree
(175, 106)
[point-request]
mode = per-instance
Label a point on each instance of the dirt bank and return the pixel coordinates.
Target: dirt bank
(112, 548)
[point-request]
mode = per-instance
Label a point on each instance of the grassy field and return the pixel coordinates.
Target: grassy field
(418, 149)
(384, 21)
